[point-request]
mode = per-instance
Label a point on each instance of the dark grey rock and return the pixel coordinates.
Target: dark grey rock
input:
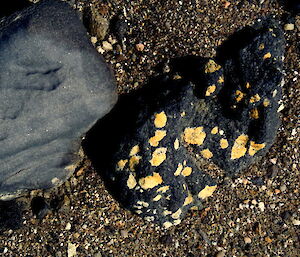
(155, 148)
(54, 87)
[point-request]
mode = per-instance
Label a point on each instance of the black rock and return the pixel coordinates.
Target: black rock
(155, 148)
(54, 87)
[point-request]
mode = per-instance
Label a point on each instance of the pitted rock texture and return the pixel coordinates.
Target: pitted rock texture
(54, 87)
(157, 142)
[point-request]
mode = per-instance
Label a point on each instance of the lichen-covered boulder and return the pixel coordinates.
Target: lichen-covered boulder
(154, 148)
(53, 87)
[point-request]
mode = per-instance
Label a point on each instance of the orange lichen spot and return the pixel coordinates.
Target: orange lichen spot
(248, 85)
(176, 144)
(239, 147)
(194, 136)
(157, 198)
(210, 90)
(134, 150)
(159, 135)
(160, 120)
(221, 80)
(261, 46)
(151, 181)
(131, 182)
(239, 95)
(167, 224)
(163, 189)
(215, 130)
(206, 153)
(254, 113)
(176, 215)
(254, 148)
(207, 191)
(121, 164)
(267, 55)
(189, 199)
(211, 66)
(178, 170)
(254, 99)
(186, 171)
(158, 156)
(223, 143)
(266, 102)
(133, 161)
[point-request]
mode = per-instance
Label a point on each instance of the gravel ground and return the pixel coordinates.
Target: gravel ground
(256, 214)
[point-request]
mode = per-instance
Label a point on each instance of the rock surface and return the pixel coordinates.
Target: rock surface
(158, 142)
(54, 87)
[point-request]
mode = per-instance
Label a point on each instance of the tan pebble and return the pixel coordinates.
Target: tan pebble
(167, 224)
(220, 254)
(247, 240)
(106, 46)
(289, 26)
(140, 47)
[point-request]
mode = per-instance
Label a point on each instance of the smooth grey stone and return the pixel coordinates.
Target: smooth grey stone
(53, 87)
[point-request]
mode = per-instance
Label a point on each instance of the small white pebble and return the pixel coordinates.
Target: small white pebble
(68, 226)
(261, 206)
(296, 222)
(289, 26)
(94, 40)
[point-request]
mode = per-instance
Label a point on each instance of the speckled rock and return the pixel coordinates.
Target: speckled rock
(158, 142)
(54, 87)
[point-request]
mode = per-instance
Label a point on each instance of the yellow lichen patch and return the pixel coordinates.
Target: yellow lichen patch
(160, 120)
(150, 181)
(178, 170)
(248, 85)
(254, 148)
(223, 143)
(158, 156)
(167, 224)
(261, 46)
(166, 212)
(121, 164)
(176, 222)
(131, 182)
(254, 113)
(163, 189)
(186, 171)
(239, 147)
(206, 192)
(210, 90)
(221, 80)
(157, 198)
(211, 66)
(176, 144)
(206, 153)
(266, 102)
(134, 150)
(176, 215)
(254, 99)
(189, 199)
(194, 136)
(159, 135)
(134, 160)
(182, 114)
(215, 130)
(239, 95)
(267, 55)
